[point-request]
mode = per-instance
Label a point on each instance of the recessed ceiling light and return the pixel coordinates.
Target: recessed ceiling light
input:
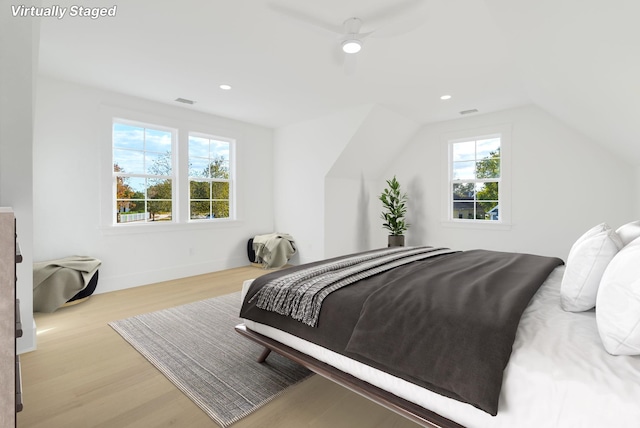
(351, 46)
(445, 97)
(225, 87)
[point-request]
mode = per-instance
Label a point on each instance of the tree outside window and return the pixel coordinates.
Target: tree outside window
(143, 173)
(210, 177)
(475, 179)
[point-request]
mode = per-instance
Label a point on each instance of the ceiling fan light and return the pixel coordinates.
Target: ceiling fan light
(351, 46)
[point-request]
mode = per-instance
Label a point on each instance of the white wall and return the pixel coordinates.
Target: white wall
(347, 223)
(322, 168)
(304, 153)
(71, 154)
(562, 184)
(18, 62)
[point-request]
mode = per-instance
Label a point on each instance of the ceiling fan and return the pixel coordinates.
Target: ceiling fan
(397, 18)
(352, 40)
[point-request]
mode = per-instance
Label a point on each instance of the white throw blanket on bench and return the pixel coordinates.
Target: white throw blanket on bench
(56, 281)
(274, 250)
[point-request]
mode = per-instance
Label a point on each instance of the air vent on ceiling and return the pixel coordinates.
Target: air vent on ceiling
(185, 101)
(473, 110)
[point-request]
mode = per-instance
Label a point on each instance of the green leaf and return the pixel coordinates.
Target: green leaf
(394, 202)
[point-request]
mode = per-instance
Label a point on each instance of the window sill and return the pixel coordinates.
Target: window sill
(131, 229)
(477, 225)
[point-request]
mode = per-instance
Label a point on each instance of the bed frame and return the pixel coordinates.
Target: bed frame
(392, 402)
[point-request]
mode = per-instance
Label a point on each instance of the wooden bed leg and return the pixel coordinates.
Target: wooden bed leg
(264, 355)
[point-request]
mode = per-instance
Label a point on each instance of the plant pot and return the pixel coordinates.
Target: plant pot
(396, 241)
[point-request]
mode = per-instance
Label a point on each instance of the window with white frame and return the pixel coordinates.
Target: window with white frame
(210, 177)
(143, 172)
(475, 179)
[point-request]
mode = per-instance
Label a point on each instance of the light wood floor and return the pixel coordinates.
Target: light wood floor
(85, 375)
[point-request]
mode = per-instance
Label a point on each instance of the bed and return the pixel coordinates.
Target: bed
(556, 371)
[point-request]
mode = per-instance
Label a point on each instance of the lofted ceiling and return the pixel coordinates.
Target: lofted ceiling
(577, 59)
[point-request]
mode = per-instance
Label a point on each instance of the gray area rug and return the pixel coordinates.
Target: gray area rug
(196, 347)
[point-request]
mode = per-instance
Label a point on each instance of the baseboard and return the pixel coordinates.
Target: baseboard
(108, 283)
(259, 265)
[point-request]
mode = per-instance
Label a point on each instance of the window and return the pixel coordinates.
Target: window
(209, 177)
(475, 179)
(143, 175)
(162, 172)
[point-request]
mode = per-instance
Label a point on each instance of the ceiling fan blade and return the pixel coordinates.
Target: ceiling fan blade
(399, 18)
(303, 17)
(362, 36)
(393, 11)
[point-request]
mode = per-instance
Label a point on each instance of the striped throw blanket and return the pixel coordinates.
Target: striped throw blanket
(301, 293)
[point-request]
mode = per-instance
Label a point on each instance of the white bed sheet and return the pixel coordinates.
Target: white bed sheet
(559, 374)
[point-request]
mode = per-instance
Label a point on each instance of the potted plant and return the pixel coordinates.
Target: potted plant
(394, 203)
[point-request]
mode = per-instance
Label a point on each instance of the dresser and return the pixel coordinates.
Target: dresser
(10, 325)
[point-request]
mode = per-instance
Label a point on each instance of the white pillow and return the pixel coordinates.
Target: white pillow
(628, 232)
(618, 303)
(587, 260)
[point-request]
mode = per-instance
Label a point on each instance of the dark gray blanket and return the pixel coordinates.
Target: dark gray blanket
(445, 323)
(451, 327)
(300, 294)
